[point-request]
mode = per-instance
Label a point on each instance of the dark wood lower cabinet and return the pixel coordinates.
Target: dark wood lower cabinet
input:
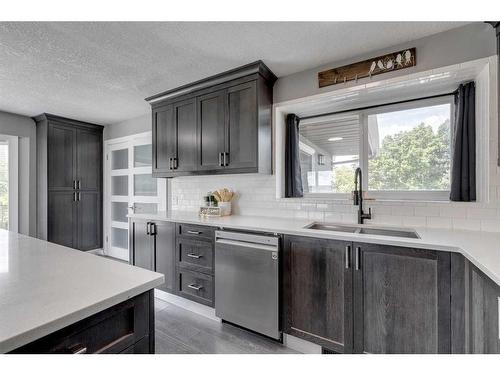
(317, 289)
(475, 309)
(152, 246)
(125, 328)
(366, 298)
(401, 300)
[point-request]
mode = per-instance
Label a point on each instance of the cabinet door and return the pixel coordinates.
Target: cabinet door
(61, 157)
(484, 313)
(89, 216)
(185, 120)
(211, 130)
(164, 139)
(318, 291)
(141, 245)
(401, 300)
(88, 160)
(61, 225)
(164, 237)
(242, 126)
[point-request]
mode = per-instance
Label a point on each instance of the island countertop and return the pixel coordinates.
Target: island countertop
(45, 287)
(481, 248)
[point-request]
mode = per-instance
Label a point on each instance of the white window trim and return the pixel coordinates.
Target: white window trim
(13, 143)
(418, 195)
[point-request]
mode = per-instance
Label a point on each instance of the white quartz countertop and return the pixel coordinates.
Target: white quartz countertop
(45, 287)
(481, 248)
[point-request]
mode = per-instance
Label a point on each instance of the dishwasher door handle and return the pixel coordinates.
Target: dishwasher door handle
(246, 244)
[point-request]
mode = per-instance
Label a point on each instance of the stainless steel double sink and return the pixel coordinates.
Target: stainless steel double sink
(360, 229)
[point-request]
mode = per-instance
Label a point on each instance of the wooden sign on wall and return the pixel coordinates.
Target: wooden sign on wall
(378, 65)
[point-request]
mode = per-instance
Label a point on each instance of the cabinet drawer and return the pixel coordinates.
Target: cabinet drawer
(196, 286)
(110, 331)
(201, 232)
(196, 255)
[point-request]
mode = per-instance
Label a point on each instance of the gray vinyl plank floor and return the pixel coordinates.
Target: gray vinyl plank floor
(179, 331)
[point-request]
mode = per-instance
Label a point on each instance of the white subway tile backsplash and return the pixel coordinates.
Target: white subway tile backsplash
(426, 211)
(256, 196)
(466, 224)
(490, 225)
(439, 222)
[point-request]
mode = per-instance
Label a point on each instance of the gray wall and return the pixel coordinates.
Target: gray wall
(24, 128)
(455, 46)
(128, 127)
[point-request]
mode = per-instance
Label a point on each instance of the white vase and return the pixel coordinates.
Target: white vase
(225, 208)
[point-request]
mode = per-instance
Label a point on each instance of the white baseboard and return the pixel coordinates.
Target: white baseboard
(300, 345)
(186, 304)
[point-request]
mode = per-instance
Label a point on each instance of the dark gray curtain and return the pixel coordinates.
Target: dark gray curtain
(463, 169)
(293, 181)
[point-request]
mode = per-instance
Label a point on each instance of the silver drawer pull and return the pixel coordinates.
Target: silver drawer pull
(195, 286)
(79, 349)
(193, 232)
(196, 256)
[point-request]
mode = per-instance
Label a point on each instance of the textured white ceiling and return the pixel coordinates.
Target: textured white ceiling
(101, 72)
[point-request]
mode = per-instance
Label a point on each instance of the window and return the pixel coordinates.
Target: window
(404, 151)
(4, 185)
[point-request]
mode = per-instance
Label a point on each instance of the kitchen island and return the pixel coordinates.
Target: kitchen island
(54, 299)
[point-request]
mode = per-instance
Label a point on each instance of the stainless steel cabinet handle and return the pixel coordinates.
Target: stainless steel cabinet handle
(195, 286)
(175, 162)
(221, 157)
(78, 349)
(74, 197)
(226, 159)
(78, 195)
(148, 228)
(196, 256)
(170, 163)
(74, 184)
(152, 229)
(78, 184)
(193, 232)
(358, 260)
(348, 257)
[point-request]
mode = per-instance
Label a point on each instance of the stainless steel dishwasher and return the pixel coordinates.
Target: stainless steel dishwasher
(247, 281)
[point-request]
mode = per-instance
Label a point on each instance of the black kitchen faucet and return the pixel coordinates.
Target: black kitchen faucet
(357, 197)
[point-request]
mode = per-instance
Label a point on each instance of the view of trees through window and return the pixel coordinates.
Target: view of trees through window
(4, 186)
(407, 150)
(413, 151)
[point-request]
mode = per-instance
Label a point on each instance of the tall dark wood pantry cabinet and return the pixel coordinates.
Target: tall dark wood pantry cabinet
(69, 182)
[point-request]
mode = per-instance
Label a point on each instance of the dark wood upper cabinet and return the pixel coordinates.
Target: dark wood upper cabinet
(164, 139)
(221, 124)
(69, 182)
(211, 130)
(242, 136)
(186, 155)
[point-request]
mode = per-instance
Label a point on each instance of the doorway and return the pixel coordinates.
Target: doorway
(128, 187)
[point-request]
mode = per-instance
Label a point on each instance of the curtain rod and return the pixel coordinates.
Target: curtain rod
(378, 105)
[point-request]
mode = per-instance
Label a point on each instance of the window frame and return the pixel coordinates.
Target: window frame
(417, 195)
